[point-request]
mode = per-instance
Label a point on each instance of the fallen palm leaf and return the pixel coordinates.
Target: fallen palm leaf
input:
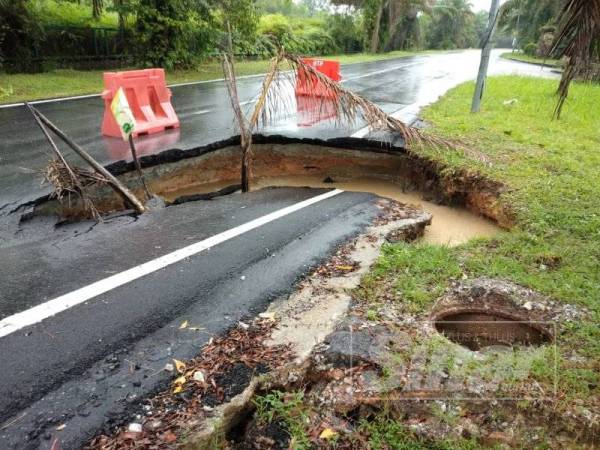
(347, 106)
(275, 99)
(69, 182)
(43, 122)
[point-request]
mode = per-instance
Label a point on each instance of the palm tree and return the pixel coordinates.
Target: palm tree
(526, 18)
(451, 21)
(577, 39)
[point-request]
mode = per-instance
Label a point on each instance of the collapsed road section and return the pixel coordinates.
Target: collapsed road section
(89, 364)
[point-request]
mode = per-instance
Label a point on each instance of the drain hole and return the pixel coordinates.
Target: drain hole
(476, 330)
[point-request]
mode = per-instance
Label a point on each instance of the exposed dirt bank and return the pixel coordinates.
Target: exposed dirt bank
(459, 201)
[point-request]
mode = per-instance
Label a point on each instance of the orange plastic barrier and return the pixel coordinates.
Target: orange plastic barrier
(313, 110)
(148, 97)
(309, 85)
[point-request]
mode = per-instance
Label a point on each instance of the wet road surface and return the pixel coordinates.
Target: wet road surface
(71, 368)
(397, 85)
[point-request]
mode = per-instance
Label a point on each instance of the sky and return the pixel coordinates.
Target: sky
(481, 5)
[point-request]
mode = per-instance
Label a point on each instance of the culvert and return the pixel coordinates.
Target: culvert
(478, 329)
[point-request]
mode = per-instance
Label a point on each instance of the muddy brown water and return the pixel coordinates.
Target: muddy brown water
(396, 174)
(450, 225)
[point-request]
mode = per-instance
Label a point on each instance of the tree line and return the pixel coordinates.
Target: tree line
(177, 33)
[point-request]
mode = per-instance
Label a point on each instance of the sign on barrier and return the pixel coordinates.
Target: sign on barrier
(309, 85)
(148, 97)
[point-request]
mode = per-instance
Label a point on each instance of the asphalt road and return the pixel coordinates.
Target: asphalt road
(71, 367)
(397, 85)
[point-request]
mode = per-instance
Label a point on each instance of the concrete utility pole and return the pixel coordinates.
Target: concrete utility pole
(485, 56)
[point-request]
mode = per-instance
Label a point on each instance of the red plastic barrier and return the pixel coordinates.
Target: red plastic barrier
(148, 97)
(309, 85)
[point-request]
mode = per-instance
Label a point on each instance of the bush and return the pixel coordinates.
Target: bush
(68, 14)
(164, 31)
(345, 32)
(276, 25)
(530, 49)
(19, 35)
(302, 35)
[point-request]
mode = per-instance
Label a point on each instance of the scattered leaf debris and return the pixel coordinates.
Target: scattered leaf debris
(223, 370)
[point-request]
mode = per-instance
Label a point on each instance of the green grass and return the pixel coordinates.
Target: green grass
(289, 408)
(551, 169)
(532, 59)
(63, 83)
(380, 431)
(383, 432)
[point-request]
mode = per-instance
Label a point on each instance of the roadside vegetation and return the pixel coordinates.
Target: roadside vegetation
(54, 48)
(522, 57)
(550, 170)
(39, 35)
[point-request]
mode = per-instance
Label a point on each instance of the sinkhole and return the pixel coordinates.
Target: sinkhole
(464, 205)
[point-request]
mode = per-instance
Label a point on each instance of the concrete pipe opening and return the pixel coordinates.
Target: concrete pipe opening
(477, 330)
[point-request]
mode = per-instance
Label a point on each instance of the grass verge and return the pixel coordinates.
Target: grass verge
(548, 62)
(551, 170)
(67, 82)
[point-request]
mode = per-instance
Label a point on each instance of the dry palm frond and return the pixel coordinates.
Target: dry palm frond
(347, 106)
(578, 38)
(72, 181)
(344, 106)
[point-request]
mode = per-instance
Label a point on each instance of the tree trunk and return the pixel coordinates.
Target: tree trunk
(375, 35)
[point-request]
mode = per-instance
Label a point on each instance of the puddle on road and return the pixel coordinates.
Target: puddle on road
(450, 225)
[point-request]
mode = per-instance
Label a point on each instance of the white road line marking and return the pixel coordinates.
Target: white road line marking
(52, 307)
(405, 114)
(78, 97)
(370, 74)
(50, 100)
(195, 113)
(190, 83)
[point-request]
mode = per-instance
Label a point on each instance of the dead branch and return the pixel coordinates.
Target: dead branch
(138, 167)
(245, 133)
(66, 179)
(118, 187)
